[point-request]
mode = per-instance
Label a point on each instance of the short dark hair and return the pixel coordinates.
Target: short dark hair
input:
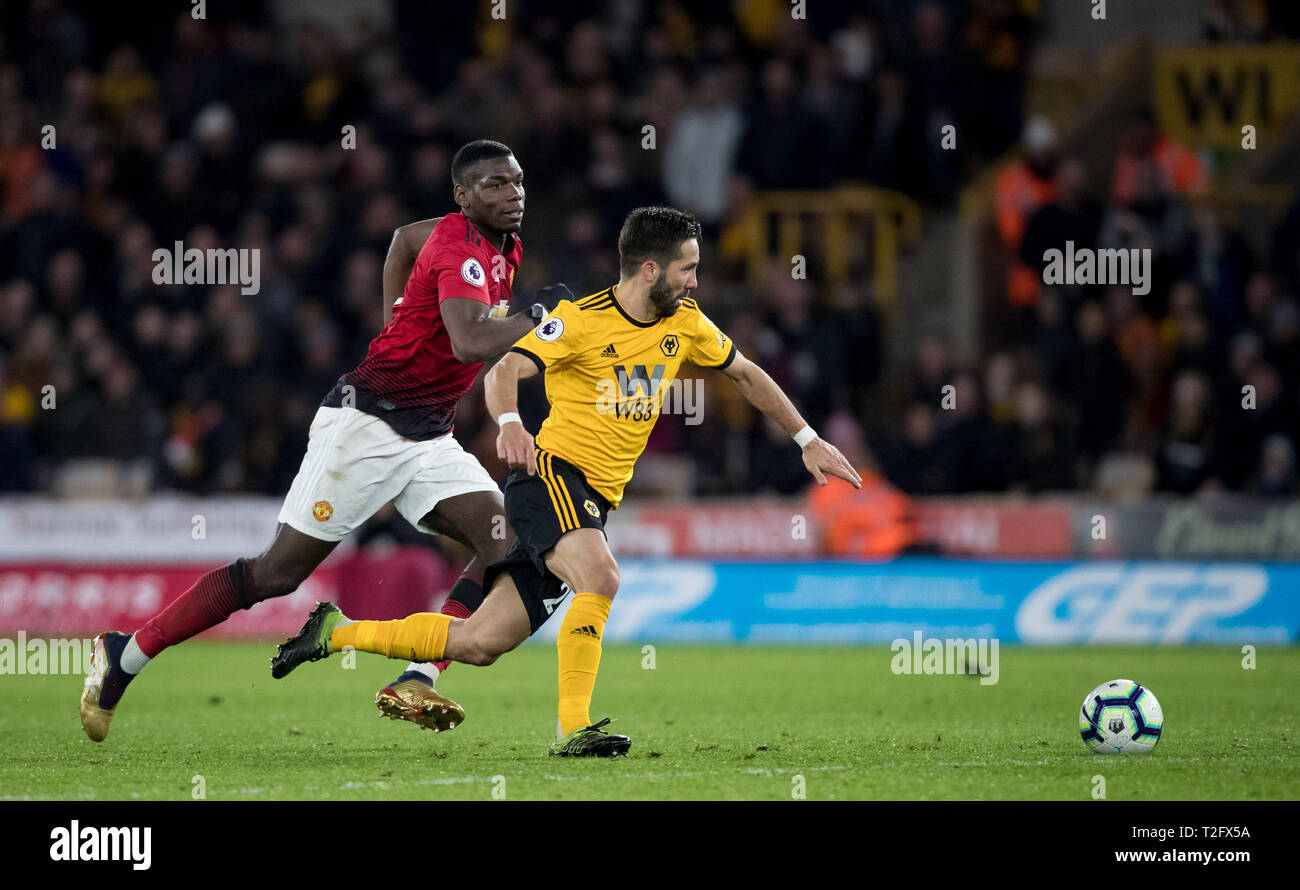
(654, 233)
(471, 153)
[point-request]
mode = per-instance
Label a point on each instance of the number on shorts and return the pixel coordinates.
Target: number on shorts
(550, 604)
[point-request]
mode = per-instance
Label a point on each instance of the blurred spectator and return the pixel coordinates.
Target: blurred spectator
(125, 82)
(774, 467)
(912, 457)
(805, 354)
(1277, 468)
(1284, 18)
(931, 369)
(1071, 216)
(1286, 248)
(17, 409)
(1217, 258)
(1267, 414)
(1098, 382)
(1150, 161)
(939, 78)
(891, 135)
(20, 159)
(1022, 188)
(699, 155)
(782, 147)
(1185, 333)
(1052, 342)
(1283, 337)
(1235, 21)
(1041, 453)
(1188, 459)
(973, 443)
(1000, 33)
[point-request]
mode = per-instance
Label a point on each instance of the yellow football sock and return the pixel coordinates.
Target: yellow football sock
(579, 650)
(420, 637)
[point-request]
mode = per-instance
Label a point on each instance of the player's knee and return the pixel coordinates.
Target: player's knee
(493, 549)
(483, 646)
(273, 577)
(603, 579)
(481, 655)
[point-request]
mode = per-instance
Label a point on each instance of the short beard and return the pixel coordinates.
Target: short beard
(663, 298)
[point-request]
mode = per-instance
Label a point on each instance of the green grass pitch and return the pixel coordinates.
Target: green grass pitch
(706, 723)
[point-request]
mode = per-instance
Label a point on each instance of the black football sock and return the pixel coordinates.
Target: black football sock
(115, 679)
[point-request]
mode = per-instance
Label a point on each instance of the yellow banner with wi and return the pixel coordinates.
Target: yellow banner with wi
(1207, 96)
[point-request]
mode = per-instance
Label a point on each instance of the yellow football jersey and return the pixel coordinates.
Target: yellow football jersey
(607, 377)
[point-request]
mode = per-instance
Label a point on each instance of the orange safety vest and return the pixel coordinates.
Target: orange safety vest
(1017, 194)
(875, 521)
(1181, 171)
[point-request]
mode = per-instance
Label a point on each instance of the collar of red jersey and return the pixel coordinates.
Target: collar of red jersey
(507, 243)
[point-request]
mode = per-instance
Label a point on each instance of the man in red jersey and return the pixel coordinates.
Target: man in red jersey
(383, 433)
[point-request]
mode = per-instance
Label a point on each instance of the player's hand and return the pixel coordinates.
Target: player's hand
(821, 457)
(547, 299)
(515, 447)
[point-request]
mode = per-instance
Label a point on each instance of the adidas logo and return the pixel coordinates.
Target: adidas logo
(587, 631)
(610, 352)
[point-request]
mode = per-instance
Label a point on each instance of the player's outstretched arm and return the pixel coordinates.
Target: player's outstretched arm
(501, 391)
(478, 336)
(819, 456)
(408, 241)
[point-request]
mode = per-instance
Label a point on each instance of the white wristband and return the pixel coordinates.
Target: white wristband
(509, 417)
(804, 436)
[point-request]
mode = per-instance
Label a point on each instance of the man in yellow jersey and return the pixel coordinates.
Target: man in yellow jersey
(608, 360)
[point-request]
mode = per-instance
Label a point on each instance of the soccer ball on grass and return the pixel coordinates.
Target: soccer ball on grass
(1121, 717)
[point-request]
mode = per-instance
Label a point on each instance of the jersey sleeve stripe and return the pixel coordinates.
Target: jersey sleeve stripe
(731, 357)
(541, 365)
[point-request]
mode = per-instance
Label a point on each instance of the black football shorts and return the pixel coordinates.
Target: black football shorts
(541, 509)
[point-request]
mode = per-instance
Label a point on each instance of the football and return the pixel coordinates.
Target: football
(1121, 717)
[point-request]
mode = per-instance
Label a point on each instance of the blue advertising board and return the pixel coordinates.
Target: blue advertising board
(1140, 603)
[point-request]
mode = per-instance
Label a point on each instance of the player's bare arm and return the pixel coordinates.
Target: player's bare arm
(819, 456)
(476, 335)
(402, 252)
(501, 392)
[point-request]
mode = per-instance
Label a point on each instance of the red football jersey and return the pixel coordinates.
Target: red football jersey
(410, 378)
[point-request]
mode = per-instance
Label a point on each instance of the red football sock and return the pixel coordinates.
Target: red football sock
(456, 609)
(211, 600)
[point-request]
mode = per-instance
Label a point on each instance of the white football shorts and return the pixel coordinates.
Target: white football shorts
(356, 463)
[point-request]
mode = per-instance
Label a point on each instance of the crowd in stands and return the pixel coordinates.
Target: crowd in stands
(121, 134)
(1191, 387)
(228, 132)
